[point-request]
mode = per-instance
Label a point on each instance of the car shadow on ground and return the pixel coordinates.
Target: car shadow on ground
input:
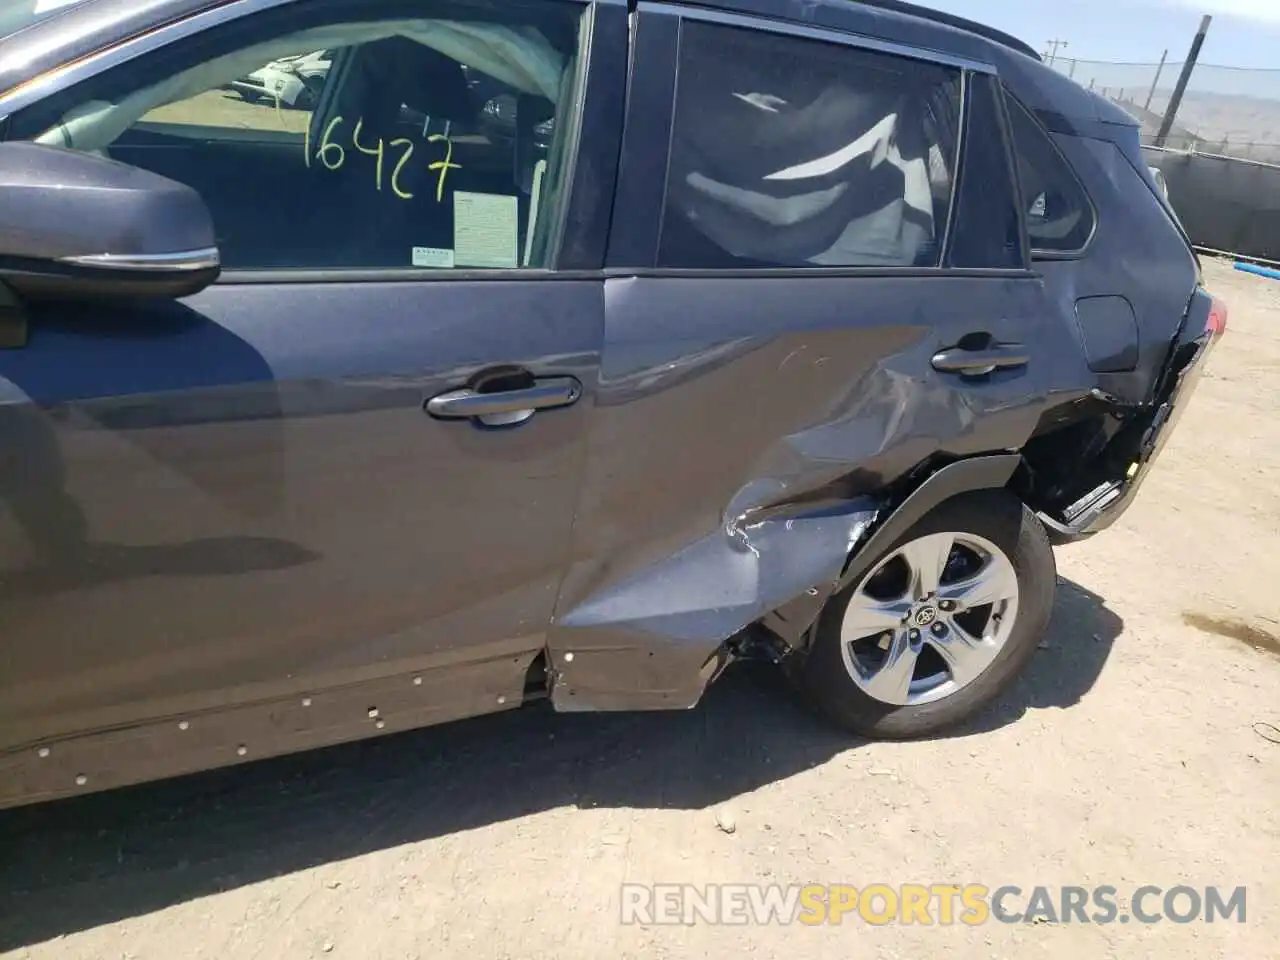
(80, 863)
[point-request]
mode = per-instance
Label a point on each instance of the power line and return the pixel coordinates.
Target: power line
(1054, 46)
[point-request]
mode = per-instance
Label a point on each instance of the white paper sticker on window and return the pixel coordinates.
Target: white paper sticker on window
(433, 257)
(484, 229)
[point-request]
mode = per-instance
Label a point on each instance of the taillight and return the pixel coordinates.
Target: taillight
(1216, 323)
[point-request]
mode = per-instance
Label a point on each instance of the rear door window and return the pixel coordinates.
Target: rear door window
(792, 152)
(1058, 212)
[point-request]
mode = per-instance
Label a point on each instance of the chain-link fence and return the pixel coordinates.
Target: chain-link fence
(1228, 111)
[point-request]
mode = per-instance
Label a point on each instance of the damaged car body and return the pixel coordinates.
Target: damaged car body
(796, 330)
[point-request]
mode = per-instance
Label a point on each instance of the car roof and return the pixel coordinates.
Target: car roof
(1061, 103)
(795, 9)
(82, 29)
(86, 27)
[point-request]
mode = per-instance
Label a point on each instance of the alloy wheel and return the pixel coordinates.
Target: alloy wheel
(930, 618)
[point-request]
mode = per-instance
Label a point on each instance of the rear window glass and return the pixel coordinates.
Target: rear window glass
(789, 152)
(1057, 210)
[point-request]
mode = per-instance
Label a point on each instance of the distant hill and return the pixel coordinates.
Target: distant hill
(1225, 110)
(1228, 124)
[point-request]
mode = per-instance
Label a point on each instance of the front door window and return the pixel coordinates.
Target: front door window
(432, 142)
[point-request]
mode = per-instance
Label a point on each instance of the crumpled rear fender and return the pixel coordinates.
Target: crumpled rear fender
(657, 638)
(792, 620)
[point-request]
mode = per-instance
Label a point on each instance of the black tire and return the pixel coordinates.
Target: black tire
(996, 516)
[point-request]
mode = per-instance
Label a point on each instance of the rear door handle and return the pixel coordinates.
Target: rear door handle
(505, 407)
(977, 363)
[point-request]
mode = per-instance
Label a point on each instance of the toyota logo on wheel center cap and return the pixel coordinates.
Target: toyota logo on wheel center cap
(925, 616)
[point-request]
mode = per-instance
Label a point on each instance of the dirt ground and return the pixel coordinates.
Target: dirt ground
(1131, 754)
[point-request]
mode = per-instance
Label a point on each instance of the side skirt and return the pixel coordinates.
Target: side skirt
(216, 738)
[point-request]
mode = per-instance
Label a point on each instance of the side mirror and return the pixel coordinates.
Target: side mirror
(76, 225)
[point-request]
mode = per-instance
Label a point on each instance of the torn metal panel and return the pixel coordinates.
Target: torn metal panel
(657, 631)
(1124, 463)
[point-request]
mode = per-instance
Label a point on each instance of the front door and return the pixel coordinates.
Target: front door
(280, 487)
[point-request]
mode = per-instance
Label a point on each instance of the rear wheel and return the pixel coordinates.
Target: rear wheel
(942, 622)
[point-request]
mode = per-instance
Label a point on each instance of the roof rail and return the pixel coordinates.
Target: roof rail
(959, 23)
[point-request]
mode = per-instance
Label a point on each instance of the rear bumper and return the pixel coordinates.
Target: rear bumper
(1104, 505)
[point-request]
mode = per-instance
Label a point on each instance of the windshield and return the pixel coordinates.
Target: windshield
(17, 15)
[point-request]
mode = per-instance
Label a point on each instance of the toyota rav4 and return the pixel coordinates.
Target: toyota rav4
(796, 329)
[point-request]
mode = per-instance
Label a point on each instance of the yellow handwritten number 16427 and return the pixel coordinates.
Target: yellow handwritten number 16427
(333, 155)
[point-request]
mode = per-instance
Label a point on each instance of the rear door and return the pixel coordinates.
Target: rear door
(824, 288)
(274, 490)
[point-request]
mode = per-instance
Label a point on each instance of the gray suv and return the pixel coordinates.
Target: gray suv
(797, 330)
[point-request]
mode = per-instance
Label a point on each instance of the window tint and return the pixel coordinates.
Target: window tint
(796, 153)
(349, 135)
(1057, 210)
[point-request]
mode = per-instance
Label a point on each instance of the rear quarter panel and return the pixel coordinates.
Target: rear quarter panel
(1136, 253)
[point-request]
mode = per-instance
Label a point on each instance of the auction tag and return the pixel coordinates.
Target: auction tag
(484, 229)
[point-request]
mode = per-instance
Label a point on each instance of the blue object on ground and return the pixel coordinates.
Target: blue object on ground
(1260, 271)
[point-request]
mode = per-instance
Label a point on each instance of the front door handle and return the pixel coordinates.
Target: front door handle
(505, 407)
(979, 362)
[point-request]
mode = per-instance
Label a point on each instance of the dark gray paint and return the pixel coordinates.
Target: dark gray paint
(244, 499)
(240, 498)
(1136, 252)
(62, 205)
(1109, 332)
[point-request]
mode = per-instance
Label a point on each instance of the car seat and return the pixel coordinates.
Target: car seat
(376, 83)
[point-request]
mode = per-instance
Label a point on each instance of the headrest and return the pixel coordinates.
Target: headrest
(396, 70)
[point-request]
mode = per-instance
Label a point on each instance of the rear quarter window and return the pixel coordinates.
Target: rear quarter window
(1058, 213)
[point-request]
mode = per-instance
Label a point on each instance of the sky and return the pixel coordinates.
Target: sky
(1244, 33)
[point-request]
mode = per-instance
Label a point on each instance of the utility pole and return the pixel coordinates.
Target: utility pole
(1054, 46)
(1156, 82)
(1176, 100)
